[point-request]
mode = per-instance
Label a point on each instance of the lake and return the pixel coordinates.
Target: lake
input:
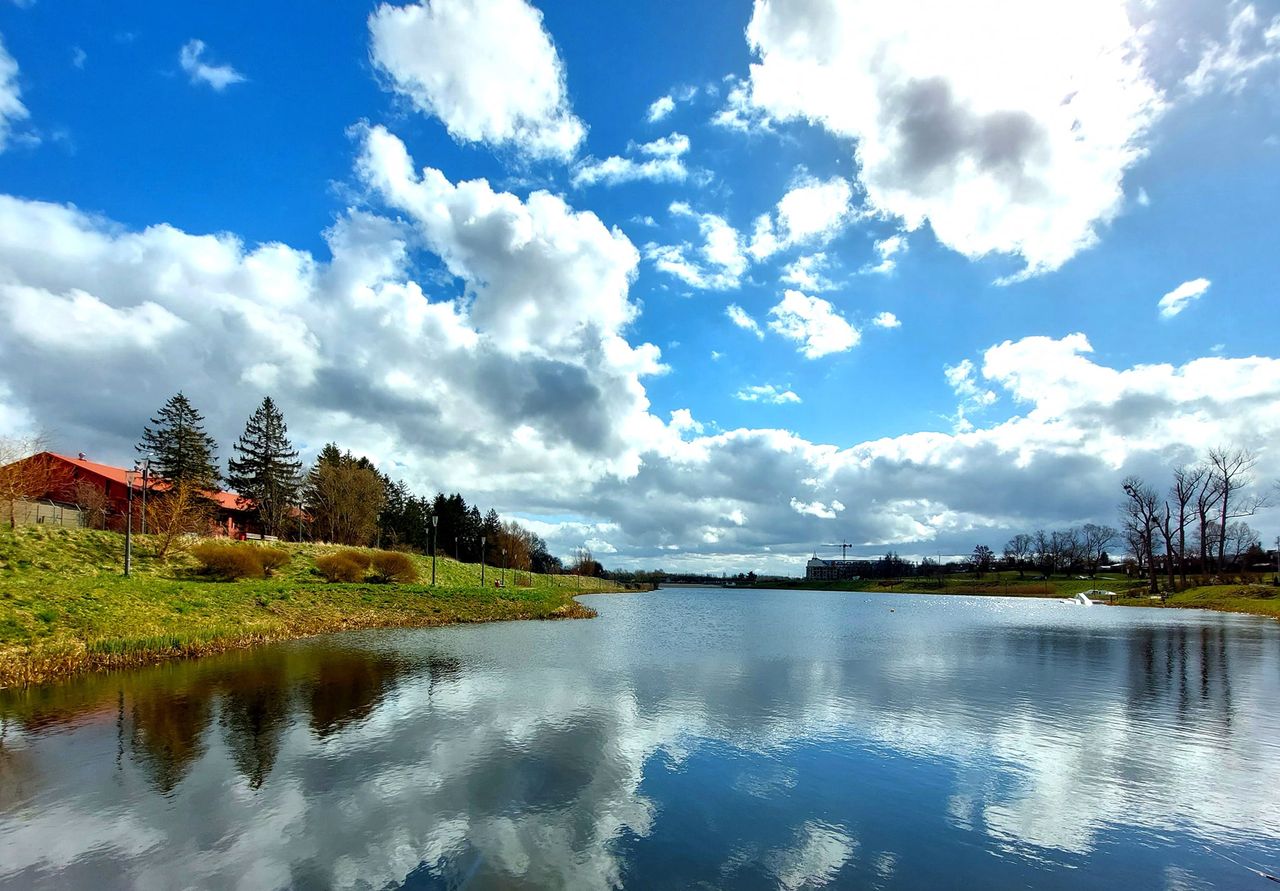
(685, 738)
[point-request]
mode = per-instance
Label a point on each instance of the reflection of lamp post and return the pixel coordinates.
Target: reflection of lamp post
(129, 476)
(482, 561)
(435, 521)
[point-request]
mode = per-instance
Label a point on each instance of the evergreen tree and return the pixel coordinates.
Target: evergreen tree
(267, 471)
(180, 450)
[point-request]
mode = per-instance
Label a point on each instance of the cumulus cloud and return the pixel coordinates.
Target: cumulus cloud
(807, 273)
(219, 77)
(1029, 166)
(486, 68)
(742, 319)
(814, 324)
(660, 108)
(664, 162)
(522, 381)
(963, 381)
(717, 264)
(1183, 296)
(1252, 46)
(887, 249)
(11, 107)
(812, 210)
(769, 394)
(886, 319)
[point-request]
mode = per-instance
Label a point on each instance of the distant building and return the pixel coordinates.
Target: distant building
(818, 569)
(234, 516)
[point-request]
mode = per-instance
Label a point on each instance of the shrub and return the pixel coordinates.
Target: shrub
(392, 566)
(360, 558)
(229, 561)
(340, 567)
(272, 559)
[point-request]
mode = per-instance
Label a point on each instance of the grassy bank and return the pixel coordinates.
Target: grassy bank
(66, 608)
(1258, 600)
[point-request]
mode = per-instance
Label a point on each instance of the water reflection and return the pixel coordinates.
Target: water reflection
(744, 740)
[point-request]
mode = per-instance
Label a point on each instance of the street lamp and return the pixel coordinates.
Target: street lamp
(456, 553)
(129, 476)
(504, 567)
(482, 561)
(146, 477)
(435, 521)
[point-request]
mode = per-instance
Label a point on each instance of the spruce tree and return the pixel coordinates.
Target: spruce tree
(179, 449)
(267, 471)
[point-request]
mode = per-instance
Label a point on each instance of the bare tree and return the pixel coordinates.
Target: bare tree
(1094, 541)
(1018, 550)
(179, 511)
(1188, 482)
(1241, 538)
(92, 502)
(24, 474)
(1233, 467)
(982, 559)
(1140, 509)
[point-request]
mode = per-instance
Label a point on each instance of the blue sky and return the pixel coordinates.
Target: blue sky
(1013, 225)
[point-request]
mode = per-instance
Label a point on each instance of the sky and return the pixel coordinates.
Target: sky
(704, 287)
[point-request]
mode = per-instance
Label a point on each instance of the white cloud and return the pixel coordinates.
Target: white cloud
(682, 421)
(811, 211)
(817, 508)
(742, 319)
(11, 107)
(806, 273)
(219, 77)
(886, 319)
(1182, 296)
(964, 382)
(888, 250)
(768, 393)
(660, 108)
(664, 163)
(487, 68)
(1030, 165)
(1253, 45)
(740, 113)
(717, 265)
(814, 323)
(78, 57)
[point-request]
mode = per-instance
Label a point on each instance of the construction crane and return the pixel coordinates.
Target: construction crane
(843, 546)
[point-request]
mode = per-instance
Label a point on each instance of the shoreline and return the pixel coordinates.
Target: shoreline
(32, 665)
(66, 609)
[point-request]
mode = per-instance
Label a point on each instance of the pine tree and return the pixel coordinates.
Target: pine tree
(179, 449)
(267, 471)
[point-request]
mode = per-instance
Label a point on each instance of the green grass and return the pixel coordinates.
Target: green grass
(993, 583)
(1258, 600)
(66, 607)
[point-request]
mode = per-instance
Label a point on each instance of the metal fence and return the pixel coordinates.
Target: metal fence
(47, 512)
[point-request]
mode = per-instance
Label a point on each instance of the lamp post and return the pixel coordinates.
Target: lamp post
(435, 521)
(146, 477)
(128, 522)
(504, 567)
(456, 552)
(482, 561)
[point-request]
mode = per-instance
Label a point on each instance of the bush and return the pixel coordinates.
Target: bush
(272, 559)
(340, 567)
(392, 566)
(229, 561)
(360, 558)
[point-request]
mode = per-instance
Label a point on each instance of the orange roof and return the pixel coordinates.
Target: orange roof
(225, 500)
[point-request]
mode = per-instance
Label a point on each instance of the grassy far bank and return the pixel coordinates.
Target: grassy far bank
(1255, 599)
(65, 607)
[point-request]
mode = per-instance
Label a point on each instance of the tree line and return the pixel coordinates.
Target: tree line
(340, 498)
(1196, 525)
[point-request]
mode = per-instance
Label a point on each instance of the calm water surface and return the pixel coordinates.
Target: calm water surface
(686, 738)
